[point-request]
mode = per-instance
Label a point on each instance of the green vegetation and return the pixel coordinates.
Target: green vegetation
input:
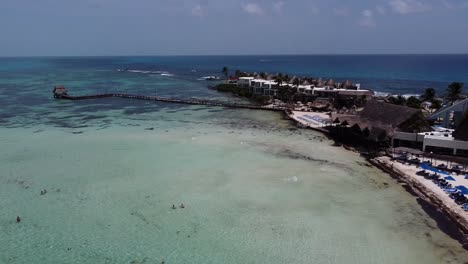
(436, 105)
(413, 102)
(429, 94)
(454, 90)
(244, 92)
(225, 71)
(399, 100)
(233, 88)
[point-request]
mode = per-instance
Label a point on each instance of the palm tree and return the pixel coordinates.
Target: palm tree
(454, 90)
(436, 105)
(279, 81)
(413, 102)
(296, 82)
(225, 71)
(429, 94)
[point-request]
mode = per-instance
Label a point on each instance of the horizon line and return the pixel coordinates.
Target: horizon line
(239, 55)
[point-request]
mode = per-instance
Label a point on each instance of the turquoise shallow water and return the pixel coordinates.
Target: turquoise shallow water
(256, 189)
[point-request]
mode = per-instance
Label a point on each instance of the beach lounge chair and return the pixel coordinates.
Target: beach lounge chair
(451, 190)
(441, 166)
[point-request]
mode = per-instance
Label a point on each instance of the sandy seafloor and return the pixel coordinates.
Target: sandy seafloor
(256, 190)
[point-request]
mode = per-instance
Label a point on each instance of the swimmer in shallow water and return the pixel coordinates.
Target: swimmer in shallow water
(182, 206)
(18, 219)
(173, 206)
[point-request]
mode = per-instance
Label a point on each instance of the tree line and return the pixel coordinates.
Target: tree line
(453, 93)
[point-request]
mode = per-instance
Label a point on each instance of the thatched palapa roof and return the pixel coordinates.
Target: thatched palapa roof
(347, 84)
(386, 113)
(379, 120)
(330, 82)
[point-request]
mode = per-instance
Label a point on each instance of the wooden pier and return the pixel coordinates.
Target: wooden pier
(191, 101)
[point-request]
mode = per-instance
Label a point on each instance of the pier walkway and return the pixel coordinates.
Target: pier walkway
(192, 101)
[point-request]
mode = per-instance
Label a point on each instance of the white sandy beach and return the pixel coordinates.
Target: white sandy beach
(431, 189)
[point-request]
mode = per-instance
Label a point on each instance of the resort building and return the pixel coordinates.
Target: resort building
(441, 140)
(245, 82)
(347, 90)
(342, 92)
(435, 142)
(378, 122)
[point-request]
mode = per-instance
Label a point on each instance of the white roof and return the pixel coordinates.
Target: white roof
(246, 78)
(440, 137)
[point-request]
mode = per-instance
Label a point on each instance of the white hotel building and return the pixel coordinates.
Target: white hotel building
(270, 87)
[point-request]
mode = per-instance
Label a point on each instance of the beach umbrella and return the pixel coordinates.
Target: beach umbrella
(462, 188)
(449, 178)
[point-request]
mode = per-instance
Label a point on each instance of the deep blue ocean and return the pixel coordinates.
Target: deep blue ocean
(26, 83)
(399, 74)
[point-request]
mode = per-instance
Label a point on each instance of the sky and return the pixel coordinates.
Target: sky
(231, 27)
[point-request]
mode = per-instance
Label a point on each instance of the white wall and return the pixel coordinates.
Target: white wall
(451, 144)
(406, 136)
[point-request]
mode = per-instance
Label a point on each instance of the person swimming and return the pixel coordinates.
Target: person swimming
(182, 206)
(173, 206)
(18, 219)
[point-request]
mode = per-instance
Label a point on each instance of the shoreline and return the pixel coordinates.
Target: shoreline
(450, 218)
(432, 197)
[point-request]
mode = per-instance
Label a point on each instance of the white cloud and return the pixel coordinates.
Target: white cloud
(252, 9)
(341, 11)
(381, 10)
(408, 6)
(278, 6)
(197, 11)
(367, 19)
